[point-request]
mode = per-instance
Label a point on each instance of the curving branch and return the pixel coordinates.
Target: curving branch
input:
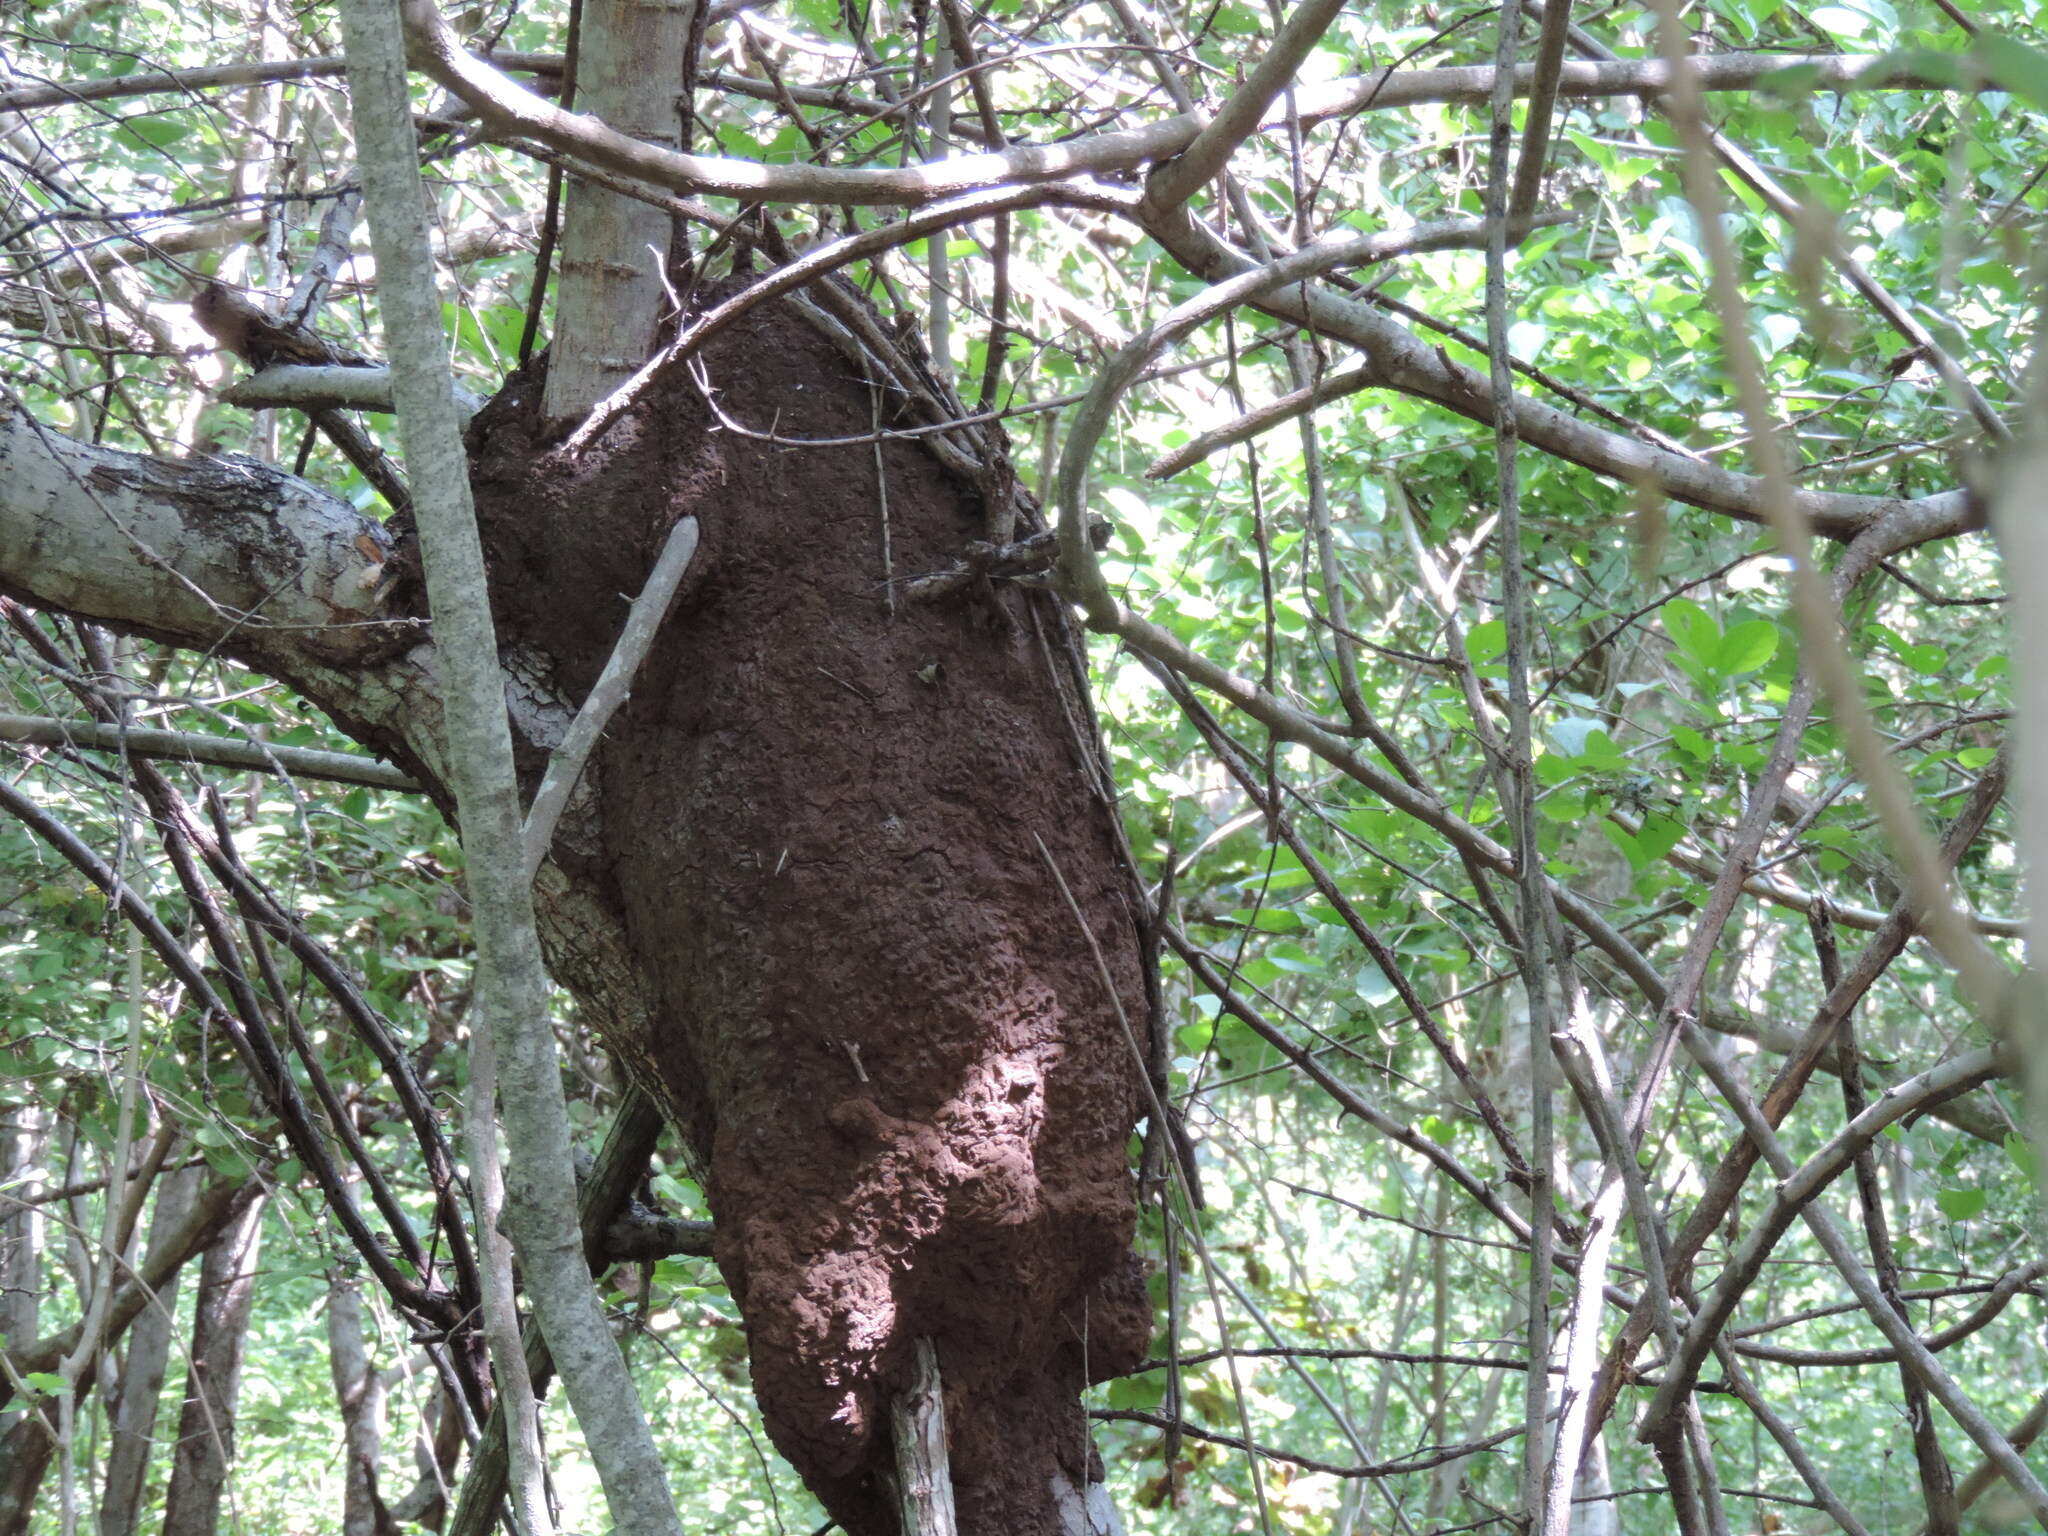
(1203, 160)
(1080, 571)
(1794, 1193)
(1464, 85)
(508, 109)
(1399, 360)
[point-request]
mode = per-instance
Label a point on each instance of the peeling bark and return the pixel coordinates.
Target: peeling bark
(226, 552)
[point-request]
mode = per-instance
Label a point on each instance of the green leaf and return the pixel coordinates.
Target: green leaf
(2023, 1156)
(1659, 835)
(1292, 957)
(1601, 754)
(1924, 659)
(1139, 1392)
(1572, 733)
(1372, 985)
(1959, 1204)
(158, 132)
(1631, 848)
(1692, 629)
(1692, 743)
(1745, 648)
(2014, 66)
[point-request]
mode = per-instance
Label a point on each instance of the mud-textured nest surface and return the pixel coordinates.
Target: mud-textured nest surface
(829, 833)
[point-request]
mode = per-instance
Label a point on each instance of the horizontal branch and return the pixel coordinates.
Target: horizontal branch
(212, 553)
(638, 1235)
(318, 387)
(1420, 1462)
(2024, 1280)
(1783, 893)
(1262, 418)
(194, 747)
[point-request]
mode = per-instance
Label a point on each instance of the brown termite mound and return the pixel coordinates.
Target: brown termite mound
(827, 834)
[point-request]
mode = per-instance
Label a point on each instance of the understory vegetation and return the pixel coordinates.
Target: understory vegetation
(1505, 853)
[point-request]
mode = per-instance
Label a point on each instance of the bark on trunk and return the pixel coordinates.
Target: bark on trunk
(24, 1132)
(817, 854)
(133, 1415)
(614, 248)
(206, 1423)
(25, 1452)
(359, 1393)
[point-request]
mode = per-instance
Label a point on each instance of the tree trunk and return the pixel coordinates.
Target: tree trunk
(24, 1132)
(614, 249)
(26, 1448)
(206, 1423)
(359, 1393)
(25, 1452)
(822, 838)
(133, 1414)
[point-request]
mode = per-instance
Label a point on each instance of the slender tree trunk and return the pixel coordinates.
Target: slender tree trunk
(1597, 1516)
(360, 1394)
(614, 249)
(133, 1413)
(511, 977)
(24, 1134)
(206, 1423)
(24, 1447)
(436, 1448)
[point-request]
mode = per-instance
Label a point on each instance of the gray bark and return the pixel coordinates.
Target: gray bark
(359, 1392)
(331, 386)
(132, 1426)
(24, 1131)
(2021, 519)
(206, 1422)
(614, 248)
(511, 982)
(223, 551)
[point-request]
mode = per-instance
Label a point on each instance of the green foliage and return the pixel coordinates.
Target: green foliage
(1660, 660)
